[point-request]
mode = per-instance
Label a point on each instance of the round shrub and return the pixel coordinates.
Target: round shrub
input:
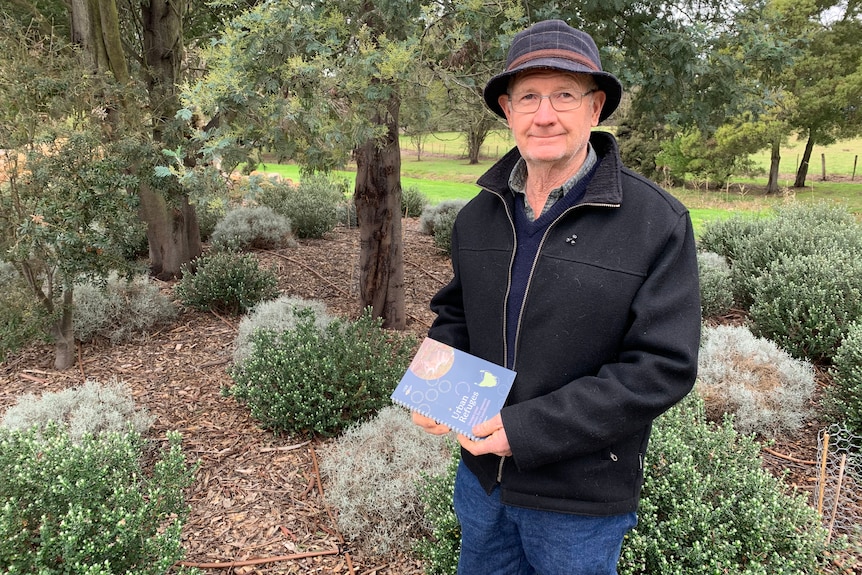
(806, 303)
(251, 227)
(226, 282)
(438, 220)
(440, 551)
(91, 409)
(844, 396)
(716, 290)
(278, 315)
(90, 506)
(209, 213)
(372, 472)
(311, 382)
(413, 202)
(708, 506)
(765, 389)
(311, 207)
(119, 309)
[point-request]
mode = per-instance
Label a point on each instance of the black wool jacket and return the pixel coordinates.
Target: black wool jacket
(607, 336)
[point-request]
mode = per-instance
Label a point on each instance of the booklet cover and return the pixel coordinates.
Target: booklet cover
(453, 387)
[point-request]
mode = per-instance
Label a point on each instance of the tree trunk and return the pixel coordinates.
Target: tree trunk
(476, 135)
(802, 172)
(775, 161)
(63, 334)
(378, 208)
(173, 233)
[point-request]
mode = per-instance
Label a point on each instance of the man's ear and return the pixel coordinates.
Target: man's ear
(503, 101)
(598, 99)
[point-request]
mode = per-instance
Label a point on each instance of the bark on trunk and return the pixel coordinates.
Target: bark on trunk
(173, 233)
(378, 209)
(775, 161)
(64, 335)
(802, 172)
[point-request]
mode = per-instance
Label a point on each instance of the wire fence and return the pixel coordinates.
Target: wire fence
(838, 490)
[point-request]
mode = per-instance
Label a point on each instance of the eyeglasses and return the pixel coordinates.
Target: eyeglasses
(563, 101)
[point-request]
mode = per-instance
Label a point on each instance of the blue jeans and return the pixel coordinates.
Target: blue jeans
(499, 539)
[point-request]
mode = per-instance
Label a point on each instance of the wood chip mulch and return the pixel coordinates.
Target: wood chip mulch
(256, 504)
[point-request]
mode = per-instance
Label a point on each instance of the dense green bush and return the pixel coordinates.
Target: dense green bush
(119, 309)
(90, 409)
(276, 315)
(226, 282)
(440, 551)
(413, 202)
(766, 390)
(806, 303)
(752, 244)
(372, 473)
(313, 382)
(210, 213)
(311, 206)
(89, 506)
(22, 319)
(438, 220)
(708, 507)
(844, 396)
(251, 227)
(716, 289)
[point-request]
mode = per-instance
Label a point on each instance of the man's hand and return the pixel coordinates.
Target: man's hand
(428, 424)
(495, 440)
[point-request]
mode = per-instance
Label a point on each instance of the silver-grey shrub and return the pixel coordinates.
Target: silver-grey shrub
(251, 227)
(438, 220)
(372, 473)
(120, 309)
(90, 409)
(765, 389)
(278, 315)
(844, 396)
(716, 288)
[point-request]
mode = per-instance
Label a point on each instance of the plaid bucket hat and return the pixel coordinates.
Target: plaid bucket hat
(555, 45)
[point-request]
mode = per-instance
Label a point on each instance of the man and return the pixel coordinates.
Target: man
(581, 276)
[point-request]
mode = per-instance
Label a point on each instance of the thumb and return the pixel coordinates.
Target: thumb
(488, 427)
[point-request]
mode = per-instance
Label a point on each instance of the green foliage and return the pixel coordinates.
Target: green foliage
(766, 390)
(210, 213)
(308, 381)
(844, 396)
(91, 409)
(251, 227)
(413, 202)
(119, 309)
(716, 287)
(438, 220)
(806, 303)
(709, 507)
(440, 551)
(691, 155)
(276, 316)
(89, 506)
(226, 282)
(312, 206)
(372, 472)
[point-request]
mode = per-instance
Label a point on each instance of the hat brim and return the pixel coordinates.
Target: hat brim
(606, 82)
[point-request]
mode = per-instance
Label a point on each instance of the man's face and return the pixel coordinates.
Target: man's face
(547, 138)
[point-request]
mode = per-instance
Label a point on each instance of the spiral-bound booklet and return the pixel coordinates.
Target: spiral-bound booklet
(453, 387)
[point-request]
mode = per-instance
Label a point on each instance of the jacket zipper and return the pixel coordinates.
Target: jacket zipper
(526, 291)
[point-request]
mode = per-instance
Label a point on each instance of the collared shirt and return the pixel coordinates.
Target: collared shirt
(518, 183)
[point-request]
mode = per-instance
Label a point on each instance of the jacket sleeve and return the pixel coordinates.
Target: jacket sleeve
(450, 326)
(655, 368)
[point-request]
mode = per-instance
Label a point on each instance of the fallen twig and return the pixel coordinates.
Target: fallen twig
(258, 561)
(789, 457)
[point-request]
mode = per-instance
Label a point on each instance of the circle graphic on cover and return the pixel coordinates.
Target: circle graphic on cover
(433, 360)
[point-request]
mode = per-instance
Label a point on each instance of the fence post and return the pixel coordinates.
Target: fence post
(823, 165)
(855, 159)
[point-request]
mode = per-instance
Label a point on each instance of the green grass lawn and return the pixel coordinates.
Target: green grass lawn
(442, 172)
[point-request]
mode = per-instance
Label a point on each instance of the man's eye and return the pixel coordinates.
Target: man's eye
(564, 96)
(528, 97)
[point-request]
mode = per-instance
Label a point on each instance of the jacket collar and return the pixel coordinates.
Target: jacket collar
(604, 188)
